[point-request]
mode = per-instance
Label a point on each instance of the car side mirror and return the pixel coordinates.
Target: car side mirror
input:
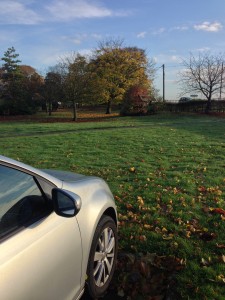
(66, 203)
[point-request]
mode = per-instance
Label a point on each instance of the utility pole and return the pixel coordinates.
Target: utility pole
(163, 66)
(221, 82)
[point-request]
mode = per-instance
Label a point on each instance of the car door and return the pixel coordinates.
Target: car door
(40, 252)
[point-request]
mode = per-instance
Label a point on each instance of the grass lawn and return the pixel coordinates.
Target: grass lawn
(167, 173)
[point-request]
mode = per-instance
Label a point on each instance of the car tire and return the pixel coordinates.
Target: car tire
(102, 258)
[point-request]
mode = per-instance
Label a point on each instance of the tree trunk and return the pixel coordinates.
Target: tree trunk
(109, 108)
(74, 111)
(50, 108)
(208, 106)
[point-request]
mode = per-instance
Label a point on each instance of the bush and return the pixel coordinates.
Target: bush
(155, 107)
(135, 102)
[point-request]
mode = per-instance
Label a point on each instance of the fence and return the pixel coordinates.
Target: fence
(195, 106)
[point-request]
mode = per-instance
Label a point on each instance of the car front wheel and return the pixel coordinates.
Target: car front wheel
(102, 257)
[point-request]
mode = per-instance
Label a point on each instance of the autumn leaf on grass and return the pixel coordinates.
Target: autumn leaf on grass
(140, 201)
(132, 169)
(202, 189)
(173, 263)
(222, 258)
(188, 234)
(175, 191)
(214, 190)
(211, 190)
(205, 262)
(142, 238)
(218, 211)
(129, 206)
(168, 237)
(220, 278)
(117, 198)
(147, 226)
(220, 246)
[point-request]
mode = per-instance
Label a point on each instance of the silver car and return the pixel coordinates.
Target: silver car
(58, 231)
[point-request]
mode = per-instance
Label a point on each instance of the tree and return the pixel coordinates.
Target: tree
(116, 69)
(11, 62)
(76, 81)
(136, 101)
(18, 85)
(204, 74)
(17, 97)
(14, 95)
(35, 83)
(52, 90)
(10, 59)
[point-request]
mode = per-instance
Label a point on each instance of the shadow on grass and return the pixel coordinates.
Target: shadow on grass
(141, 276)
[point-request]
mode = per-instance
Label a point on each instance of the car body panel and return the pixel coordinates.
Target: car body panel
(29, 260)
(48, 259)
(64, 175)
(96, 199)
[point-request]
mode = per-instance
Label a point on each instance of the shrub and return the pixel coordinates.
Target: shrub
(136, 101)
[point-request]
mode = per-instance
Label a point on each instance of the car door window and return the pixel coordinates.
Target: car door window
(21, 200)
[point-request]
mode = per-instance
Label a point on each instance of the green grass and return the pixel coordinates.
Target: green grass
(167, 174)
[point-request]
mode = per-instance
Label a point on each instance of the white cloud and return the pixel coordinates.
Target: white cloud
(30, 12)
(15, 12)
(203, 49)
(85, 52)
(141, 34)
(96, 36)
(207, 26)
(175, 58)
(164, 58)
(77, 39)
(80, 38)
(72, 9)
(159, 31)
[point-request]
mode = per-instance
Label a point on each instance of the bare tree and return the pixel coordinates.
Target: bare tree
(204, 74)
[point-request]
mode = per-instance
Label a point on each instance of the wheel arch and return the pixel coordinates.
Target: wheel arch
(111, 213)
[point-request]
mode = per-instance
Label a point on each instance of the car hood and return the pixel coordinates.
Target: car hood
(64, 175)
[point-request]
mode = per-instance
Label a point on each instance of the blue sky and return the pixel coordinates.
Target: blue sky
(42, 31)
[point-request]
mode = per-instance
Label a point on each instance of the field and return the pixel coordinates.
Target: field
(167, 173)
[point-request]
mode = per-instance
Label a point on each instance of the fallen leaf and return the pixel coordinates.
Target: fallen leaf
(222, 258)
(220, 278)
(219, 211)
(129, 206)
(220, 246)
(205, 262)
